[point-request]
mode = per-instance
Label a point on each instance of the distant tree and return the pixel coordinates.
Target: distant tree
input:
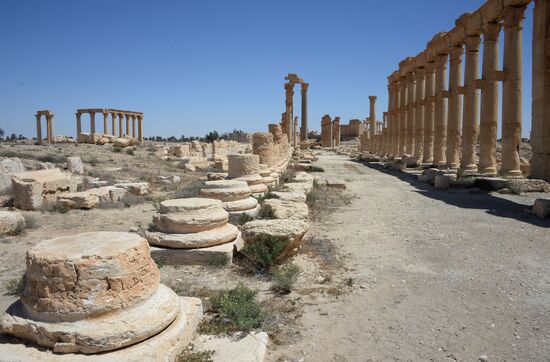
(172, 139)
(182, 138)
(21, 137)
(1, 134)
(212, 136)
(12, 137)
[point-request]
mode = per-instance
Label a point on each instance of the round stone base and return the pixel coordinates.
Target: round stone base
(221, 235)
(93, 335)
(164, 346)
(234, 216)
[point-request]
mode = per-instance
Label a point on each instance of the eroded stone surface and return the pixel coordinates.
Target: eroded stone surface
(290, 196)
(226, 190)
(135, 188)
(281, 209)
(79, 200)
(241, 205)
(74, 165)
(10, 221)
(31, 187)
(220, 235)
(291, 229)
(192, 215)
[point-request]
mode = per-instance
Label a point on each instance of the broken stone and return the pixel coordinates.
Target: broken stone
(541, 208)
(74, 165)
(10, 221)
(280, 209)
(78, 200)
(290, 229)
(135, 188)
(32, 187)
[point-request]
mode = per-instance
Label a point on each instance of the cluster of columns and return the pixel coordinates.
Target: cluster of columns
(441, 125)
(135, 119)
(330, 131)
(49, 126)
(289, 127)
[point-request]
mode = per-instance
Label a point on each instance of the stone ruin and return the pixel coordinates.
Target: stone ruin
(247, 168)
(121, 137)
(32, 188)
(97, 296)
(235, 195)
(193, 231)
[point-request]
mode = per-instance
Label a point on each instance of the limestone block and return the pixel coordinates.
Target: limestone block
(9, 167)
(63, 274)
(220, 235)
(235, 348)
(30, 188)
(290, 196)
(215, 176)
(83, 137)
(243, 165)
(103, 194)
(135, 188)
(303, 177)
(226, 190)
(290, 229)
(121, 142)
(280, 209)
(78, 200)
(45, 166)
(258, 189)
(300, 187)
(27, 195)
(74, 165)
(190, 222)
(442, 182)
(235, 216)
(187, 167)
(10, 221)
(241, 205)
(541, 208)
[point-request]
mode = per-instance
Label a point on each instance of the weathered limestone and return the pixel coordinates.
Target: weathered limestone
(74, 165)
(134, 188)
(78, 200)
(49, 126)
(9, 167)
(10, 221)
(112, 269)
(135, 117)
(284, 209)
(235, 195)
(336, 132)
(326, 131)
(303, 128)
(32, 188)
(429, 113)
(541, 208)
(264, 146)
(411, 105)
(290, 229)
(420, 78)
(455, 108)
(247, 168)
(440, 123)
(403, 84)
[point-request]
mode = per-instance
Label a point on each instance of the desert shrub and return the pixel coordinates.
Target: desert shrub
(15, 286)
(264, 252)
(267, 195)
(315, 169)
(312, 197)
(191, 190)
(131, 200)
(117, 149)
(51, 157)
(159, 260)
(188, 355)
(266, 213)
(284, 277)
(62, 209)
(236, 310)
(130, 151)
(287, 176)
(31, 222)
(244, 218)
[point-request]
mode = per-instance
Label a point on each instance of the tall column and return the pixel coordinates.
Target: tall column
(396, 116)
(120, 115)
(420, 76)
(488, 129)
(411, 99)
(471, 105)
(127, 116)
(49, 118)
(140, 129)
(540, 128)
(429, 112)
(113, 120)
(105, 123)
(389, 125)
(38, 129)
(440, 121)
(455, 108)
(402, 115)
(78, 125)
(289, 94)
(372, 115)
(303, 128)
(92, 123)
(294, 132)
(133, 125)
(511, 91)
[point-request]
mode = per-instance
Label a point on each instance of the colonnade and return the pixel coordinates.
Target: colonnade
(441, 123)
(133, 122)
(49, 126)
(287, 124)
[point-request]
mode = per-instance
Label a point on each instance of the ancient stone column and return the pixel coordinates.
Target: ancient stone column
(454, 126)
(396, 117)
(105, 123)
(440, 121)
(295, 133)
(540, 128)
(50, 128)
(120, 129)
(289, 94)
(389, 120)
(127, 116)
(92, 123)
(140, 129)
(303, 128)
(78, 124)
(489, 101)
(420, 76)
(38, 129)
(336, 132)
(403, 83)
(133, 125)
(326, 131)
(113, 120)
(372, 115)
(511, 91)
(429, 112)
(471, 105)
(411, 107)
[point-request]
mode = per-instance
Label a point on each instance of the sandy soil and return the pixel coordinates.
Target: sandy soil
(437, 275)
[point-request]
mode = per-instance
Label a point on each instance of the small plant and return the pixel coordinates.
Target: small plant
(236, 309)
(218, 262)
(159, 260)
(191, 190)
(93, 160)
(263, 254)
(131, 200)
(15, 286)
(266, 212)
(267, 195)
(117, 149)
(284, 277)
(53, 158)
(130, 151)
(62, 209)
(349, 282)
(315, 169)
(244, 218)
(312, 197)
(31, 222)
(188, 355)
(288, 176)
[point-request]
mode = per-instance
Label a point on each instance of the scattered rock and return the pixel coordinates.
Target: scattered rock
(74, 165)
(10, 221)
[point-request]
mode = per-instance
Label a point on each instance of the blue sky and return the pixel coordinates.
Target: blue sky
(193, 66)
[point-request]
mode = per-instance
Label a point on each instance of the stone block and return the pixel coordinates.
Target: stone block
(10, 221)
(74, 165)
(30, 188)
(78, 200)
(9, 167)
(541, 208)
(442, 182)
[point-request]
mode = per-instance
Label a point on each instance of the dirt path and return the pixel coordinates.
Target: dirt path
(437, 275)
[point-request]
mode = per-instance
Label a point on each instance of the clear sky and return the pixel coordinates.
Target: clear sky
(193, 66)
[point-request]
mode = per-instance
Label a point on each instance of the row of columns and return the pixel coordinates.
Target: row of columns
(287, 122)
(442, 126)
(49, 127)
(136, 121)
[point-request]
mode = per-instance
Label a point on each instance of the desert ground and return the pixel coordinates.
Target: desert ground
(390, 269)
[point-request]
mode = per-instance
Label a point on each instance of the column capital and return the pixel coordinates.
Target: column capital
(491, 31)
(430, 67)
(411, 77)
(456, 53)
(513, 16)
(372, 98)
(304, 87)
(289, 87)
(472, 43)
(419, 73)
(441, 60)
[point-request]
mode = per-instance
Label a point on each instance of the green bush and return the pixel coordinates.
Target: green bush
(159, 260)
(244, 218)
(117, 149)
(15, 286)
(267, 195)
(236, 309)
(284, 277)
(264, 252)
(62, 209)
(130, 151)
(191, 356)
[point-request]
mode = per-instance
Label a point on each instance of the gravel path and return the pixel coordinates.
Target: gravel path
(437, 275)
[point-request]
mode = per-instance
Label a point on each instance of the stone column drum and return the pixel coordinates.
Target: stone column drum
(440, 122)
(471, 105)
(455, 108)
(429, 113)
